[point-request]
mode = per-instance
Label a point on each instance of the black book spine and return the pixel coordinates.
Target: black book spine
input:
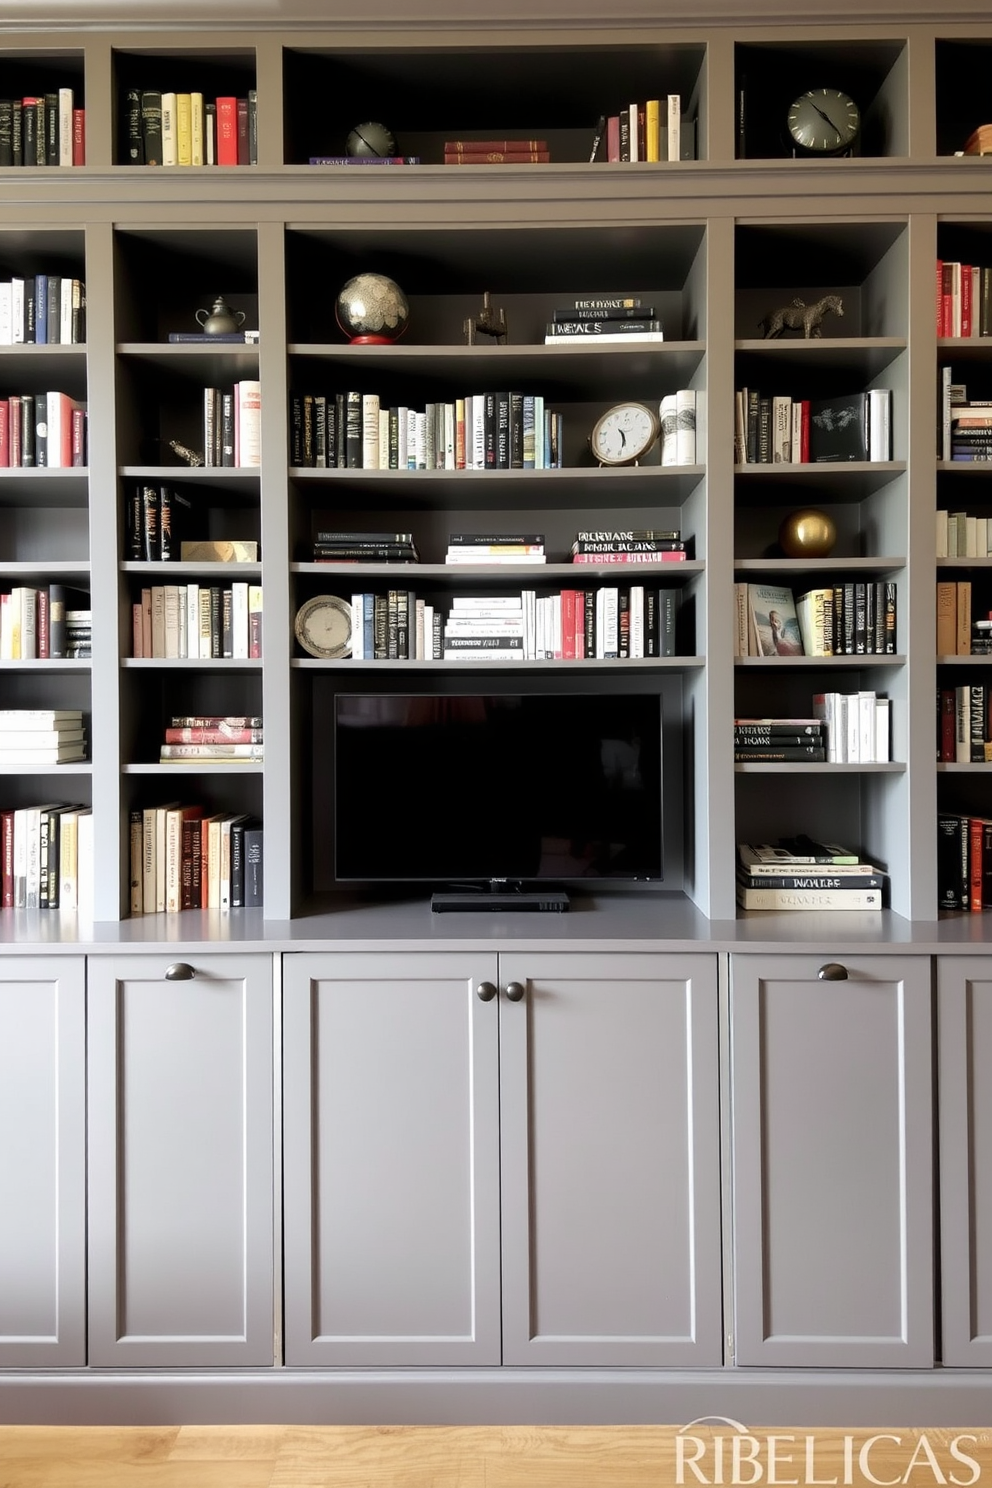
(320, 431)
(380, 627)
(890, 617)
(6, 131)
(489, 419)
(503, 431)
(164, 522)
(215, 621)
(78, 313)
(51, 129)
(295, 429)
(307, 431)
(54, 311)
(668, 605)
(29, 131)
(135, 536)
(340, 429)
(151, 126)
(978, 723)
(227, 622)
(30, 311)
(17, 131)
(254, 866)
(57, 631)
(590, 623)
(353, 431)
(133, 146)
(516, 431)
(149, 523)
(227, 428)
(651, 638)
(237, 865)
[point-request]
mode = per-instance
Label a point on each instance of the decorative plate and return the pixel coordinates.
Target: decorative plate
(323, 627)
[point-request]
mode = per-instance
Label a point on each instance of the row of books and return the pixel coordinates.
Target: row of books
(171, 128)
(626, 622)
(776, 429)
(496, 152)
(182, 858)
(644, 545)
(46, 852)
(964, 724)
(154, 516)
(42, 129)
(800, 873)
(964, 299)
(964, 862)
(485, 431)
(959, 631)
(42, 310)
(650, 130)
(857, 726)
(43, 623)
(854, 618)
(42, 429)
(959, 535)
(40, 737)
(964, 425)
(232, 424)
(181, 621)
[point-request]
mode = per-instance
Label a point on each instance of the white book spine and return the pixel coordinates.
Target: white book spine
(65, 311)
(6, 324)
(196, 131)
(478, 433)
(634, 143)
(685, 426)
(668, 413)
(65, 126)
(940, 535)
(402, 437)
(239, 618)
(781, 430)
(169, 131)
(17, 312)
(674, 126)
(883, 743)
(248, 410)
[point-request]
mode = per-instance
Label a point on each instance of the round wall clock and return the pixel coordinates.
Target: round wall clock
(824, 121)
(624, 433)
(323, 627)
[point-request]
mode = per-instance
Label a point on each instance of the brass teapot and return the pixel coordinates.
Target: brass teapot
(221, 320)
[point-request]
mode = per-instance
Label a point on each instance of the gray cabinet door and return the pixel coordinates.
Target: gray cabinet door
(42, 1161)
(609, 1112)
(964, 1121)
(181, 1161)
(391, 1159)
(832, 1156)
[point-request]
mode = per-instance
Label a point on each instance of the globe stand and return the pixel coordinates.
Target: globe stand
(371, 340)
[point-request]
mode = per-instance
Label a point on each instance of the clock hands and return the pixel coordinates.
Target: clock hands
(827, 119)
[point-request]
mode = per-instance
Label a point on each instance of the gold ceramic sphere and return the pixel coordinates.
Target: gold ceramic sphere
(807, 534)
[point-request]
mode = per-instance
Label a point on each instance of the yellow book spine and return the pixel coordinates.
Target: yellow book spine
(652, 129)
(184, 134)
(196, 128)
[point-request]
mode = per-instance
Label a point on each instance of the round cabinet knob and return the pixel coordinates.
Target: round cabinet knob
(180, 971)
(485, 991)
(832, 972)
(515, 991)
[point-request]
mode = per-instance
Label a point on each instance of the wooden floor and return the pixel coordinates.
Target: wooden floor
(456, 1457)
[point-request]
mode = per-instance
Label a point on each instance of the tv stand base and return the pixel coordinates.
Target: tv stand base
(551, 900)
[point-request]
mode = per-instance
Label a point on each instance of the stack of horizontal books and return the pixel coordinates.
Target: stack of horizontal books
(213, 739)
(495, 547)
(779, 740)
(365, 547)
(632, 545)
(801, 873)
(44, 736)
(496, 152)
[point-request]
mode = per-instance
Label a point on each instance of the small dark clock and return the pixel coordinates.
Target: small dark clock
(824, 121)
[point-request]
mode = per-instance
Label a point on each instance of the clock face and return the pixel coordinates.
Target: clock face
(323, 627)
(624, 433)
(824, 121)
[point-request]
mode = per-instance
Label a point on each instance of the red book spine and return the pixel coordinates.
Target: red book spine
(7, 852)
(4, 432)
(43, 636)
(804, 433)
(79, 136)
(966, 299)
(947, 300)
(580, 625)
(500, 157)
(212, 736)
(628, 557)
(568, 624)
(14, 429)
(976, 835)
(613, 138)
(192, 828)
(227, 131)
(940, 297)
(472, 147)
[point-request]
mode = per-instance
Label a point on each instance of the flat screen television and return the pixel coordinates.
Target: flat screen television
(491, 787)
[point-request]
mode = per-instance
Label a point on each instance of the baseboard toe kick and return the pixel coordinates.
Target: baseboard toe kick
(279, 1396)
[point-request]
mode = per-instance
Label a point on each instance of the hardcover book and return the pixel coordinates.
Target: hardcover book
(776, 626)
(838, 428)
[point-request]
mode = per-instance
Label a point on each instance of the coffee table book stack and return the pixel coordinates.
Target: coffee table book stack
(802, 874)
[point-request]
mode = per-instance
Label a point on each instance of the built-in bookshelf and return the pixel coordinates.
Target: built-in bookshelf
(716, 244)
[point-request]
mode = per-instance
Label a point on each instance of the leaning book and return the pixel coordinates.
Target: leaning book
(776, 626)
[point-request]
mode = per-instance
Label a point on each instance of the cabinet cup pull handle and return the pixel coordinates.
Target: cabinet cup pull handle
(485, 991)
(515, 991)
(833, 971)
(180, 971)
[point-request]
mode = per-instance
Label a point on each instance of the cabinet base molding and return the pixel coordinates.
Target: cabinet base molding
(815, 1398)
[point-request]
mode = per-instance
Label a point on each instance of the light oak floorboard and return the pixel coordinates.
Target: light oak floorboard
(428, 1457)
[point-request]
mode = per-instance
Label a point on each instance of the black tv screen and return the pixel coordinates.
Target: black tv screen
(480, 787)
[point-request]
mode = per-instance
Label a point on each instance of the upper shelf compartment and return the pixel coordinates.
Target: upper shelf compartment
(961, 80)
(771, 76)
(426, 96)
(184, 106)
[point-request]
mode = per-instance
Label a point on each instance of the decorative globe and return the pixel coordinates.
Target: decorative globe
(807, 534)
(371, 139)
(372, 309)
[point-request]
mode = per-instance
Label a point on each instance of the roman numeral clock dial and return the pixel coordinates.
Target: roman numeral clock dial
(824, 121)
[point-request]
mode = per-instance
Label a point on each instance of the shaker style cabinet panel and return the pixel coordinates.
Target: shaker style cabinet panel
(610, 1159)
(181, 1161)
(831, 1149)
(964, 1038)
(391, 1159)
(42, 1161)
